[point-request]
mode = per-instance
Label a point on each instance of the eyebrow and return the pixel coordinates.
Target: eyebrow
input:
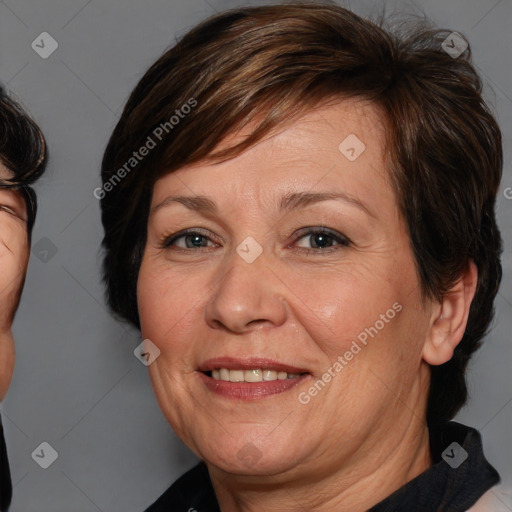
(289, 202)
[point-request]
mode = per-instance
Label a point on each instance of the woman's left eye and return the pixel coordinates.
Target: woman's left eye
(321, 240)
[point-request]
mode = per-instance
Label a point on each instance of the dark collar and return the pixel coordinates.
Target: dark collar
(459, 476)
(5, 473)
(453, 483)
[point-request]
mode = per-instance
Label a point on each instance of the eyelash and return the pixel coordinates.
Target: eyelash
(342, 240)
(7, 209)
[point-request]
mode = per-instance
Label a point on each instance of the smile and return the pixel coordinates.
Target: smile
(254, 375)
(249, 378)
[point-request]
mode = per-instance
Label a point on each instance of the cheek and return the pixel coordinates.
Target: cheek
(340, 306)
(166, 306)
(14, 252)
(373, 314)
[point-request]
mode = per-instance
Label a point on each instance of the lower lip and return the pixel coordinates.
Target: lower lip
(250, 390)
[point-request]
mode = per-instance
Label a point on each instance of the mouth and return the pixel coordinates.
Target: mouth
(252, 375)
(249, 379)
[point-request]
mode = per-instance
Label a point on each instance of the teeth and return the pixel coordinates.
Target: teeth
(253, 375)
(269, 375)
(256, 375)
(236, 375)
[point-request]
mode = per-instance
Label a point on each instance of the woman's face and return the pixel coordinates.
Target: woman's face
(276, 275)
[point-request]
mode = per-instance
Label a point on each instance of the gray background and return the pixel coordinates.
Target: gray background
(77, 384)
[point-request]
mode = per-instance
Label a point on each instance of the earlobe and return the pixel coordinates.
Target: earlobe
(449, 318)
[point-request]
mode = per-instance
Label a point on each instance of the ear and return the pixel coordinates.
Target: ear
(449, 318)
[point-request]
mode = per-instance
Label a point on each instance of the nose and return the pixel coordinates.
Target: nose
(246, 296)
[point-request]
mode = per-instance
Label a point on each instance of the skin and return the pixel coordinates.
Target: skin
(364, 435)
(14, 253)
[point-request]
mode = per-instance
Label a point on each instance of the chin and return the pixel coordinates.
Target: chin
(248, 458)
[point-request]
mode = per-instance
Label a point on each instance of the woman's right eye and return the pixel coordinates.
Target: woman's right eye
(193, 239)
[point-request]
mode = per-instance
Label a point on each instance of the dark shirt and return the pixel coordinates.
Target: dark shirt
(5, 473)
(451, 484)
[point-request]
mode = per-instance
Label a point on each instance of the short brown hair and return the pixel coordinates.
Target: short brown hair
(272, 63)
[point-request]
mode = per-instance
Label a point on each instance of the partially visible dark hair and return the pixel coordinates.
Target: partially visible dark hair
(270, 64)
(23, 151)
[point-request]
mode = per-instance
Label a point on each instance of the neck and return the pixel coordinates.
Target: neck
(353, 487)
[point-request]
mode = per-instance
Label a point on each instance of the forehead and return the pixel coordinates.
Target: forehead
(312, 151)
(322, 125)
(4, 172)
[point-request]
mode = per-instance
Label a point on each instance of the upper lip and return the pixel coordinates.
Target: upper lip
(249, 363)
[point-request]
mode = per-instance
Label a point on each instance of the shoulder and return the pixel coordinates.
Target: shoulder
(494, 500)
(192, 491)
